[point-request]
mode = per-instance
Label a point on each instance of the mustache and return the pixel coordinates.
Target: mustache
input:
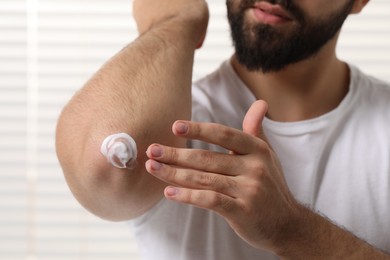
(283, 3)
(288, 5)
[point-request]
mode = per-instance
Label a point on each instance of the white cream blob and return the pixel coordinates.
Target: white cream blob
(120, 150)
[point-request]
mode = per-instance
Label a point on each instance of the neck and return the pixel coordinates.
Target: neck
(303, 90)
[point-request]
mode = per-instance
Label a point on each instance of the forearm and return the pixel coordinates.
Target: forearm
(140, 91)
(311, 236)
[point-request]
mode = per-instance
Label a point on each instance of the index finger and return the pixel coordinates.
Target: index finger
(227, 137)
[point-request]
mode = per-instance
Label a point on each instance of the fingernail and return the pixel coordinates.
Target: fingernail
(171, 191)
(181, 128)
(156, 151)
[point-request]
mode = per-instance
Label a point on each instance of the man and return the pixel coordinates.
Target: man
(307, 177)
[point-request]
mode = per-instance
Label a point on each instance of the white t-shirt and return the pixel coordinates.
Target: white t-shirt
(338, 164)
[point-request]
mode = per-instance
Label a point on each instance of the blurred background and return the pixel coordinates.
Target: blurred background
(48, 49)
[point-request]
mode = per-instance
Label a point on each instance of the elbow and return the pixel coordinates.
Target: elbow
(108, 192)
(95, 184)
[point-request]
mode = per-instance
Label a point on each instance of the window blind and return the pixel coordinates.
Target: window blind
(48, 50)
(365, 39)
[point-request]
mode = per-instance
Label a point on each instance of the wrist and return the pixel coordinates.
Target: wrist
(309, 235)
(176, 31)
(184, 19)
(296, 233)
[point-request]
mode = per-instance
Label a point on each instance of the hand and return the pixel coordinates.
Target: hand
(246, 186)
(192, 14)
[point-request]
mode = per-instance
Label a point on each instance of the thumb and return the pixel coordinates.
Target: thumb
(253, 119)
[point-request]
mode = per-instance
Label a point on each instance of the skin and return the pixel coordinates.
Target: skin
(125, 95)
(239, 186)
(243, 184)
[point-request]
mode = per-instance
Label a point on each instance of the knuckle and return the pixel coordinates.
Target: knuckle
(246, 208)
(263, 147)
(225, 135)
(215, 200)
(210, 200)
(227, 205)
(206, 180)
(222, 203)
(254, 189)
(217, 183)
(202, 158)
(257, 167)
(194, 129)
(195, 196)
(172, 155)
(231, 185)
(186, 178)
(173, 175)
(206, 159)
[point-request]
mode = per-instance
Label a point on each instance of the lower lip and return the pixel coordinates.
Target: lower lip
(267, 18)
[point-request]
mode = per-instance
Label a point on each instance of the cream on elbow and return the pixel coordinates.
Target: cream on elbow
(120, 150)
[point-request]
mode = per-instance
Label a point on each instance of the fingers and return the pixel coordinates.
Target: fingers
(252, 123)
(202, 160)
(192, 179)
(220, 203)
(226, 137)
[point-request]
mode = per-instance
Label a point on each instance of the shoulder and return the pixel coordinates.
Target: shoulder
(371, 103)
(370, 88)
(371, 96)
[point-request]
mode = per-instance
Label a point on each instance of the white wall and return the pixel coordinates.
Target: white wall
(48, 49)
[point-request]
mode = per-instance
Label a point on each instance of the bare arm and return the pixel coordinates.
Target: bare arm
(140, 91)
(247, 188)
(311, 236)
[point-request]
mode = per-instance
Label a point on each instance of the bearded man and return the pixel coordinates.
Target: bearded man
(286, 154)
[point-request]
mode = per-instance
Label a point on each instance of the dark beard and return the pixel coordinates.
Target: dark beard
(264, 48)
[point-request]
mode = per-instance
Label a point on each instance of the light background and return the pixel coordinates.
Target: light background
(48, 49)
